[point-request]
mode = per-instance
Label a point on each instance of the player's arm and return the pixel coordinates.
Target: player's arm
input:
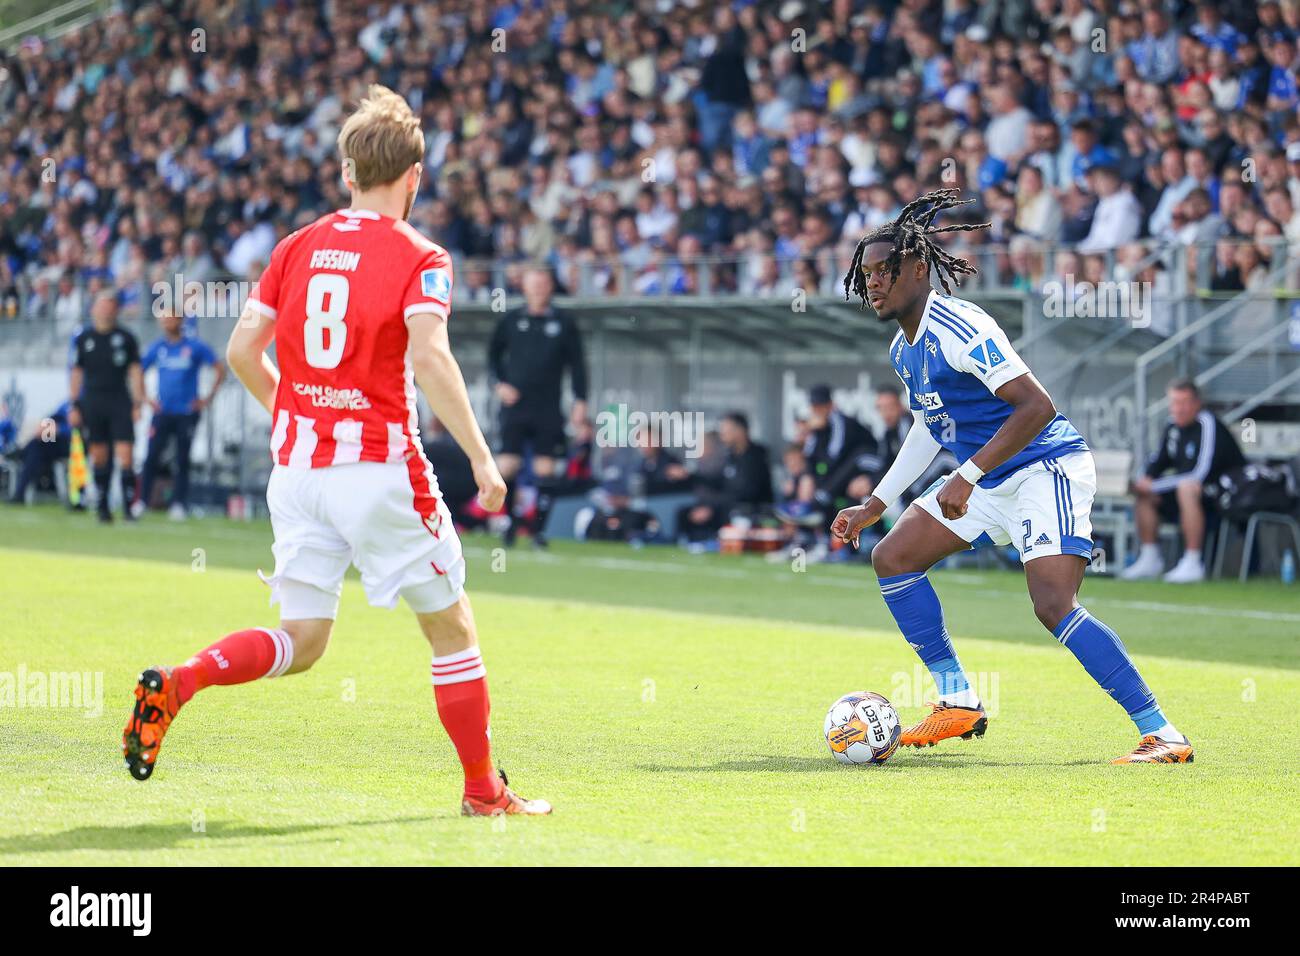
(914, 456)
(246, 356)
(438, 374)
(135, 381)
(577, 362)
(76, 378)
(218, 376)
(1031, 410)
(209, 357)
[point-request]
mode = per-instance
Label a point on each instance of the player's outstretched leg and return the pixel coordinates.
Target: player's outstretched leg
(901, 560)
(460, 690)
(237, 658)
(1053, 585)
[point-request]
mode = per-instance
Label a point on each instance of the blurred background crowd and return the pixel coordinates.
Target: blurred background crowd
(655, 147)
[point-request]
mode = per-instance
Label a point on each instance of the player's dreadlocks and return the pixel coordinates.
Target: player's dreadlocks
(911, 235)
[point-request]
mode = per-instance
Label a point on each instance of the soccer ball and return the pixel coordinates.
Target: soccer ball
(862, 727)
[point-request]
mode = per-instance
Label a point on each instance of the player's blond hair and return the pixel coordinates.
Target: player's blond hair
(381, 140)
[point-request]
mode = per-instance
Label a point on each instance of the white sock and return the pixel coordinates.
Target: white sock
(1192, 557)
(283, 651)
(1149, 551)
(962, 698)
(1170, 735)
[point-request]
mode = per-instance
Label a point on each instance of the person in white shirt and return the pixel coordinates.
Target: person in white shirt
(1008, 131)
(1177, 185)
(1118, 216)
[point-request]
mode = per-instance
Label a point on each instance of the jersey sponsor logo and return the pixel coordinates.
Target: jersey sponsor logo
(987, 357)
(931, 346)
(342, 260)
(435, 284)
(327, 396)
(930, 401)
(906, 373)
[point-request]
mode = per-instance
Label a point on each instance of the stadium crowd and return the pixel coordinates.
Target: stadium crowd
(620, 143)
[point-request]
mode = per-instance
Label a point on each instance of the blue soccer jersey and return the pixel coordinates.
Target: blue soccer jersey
(178, 366)
(959, 360)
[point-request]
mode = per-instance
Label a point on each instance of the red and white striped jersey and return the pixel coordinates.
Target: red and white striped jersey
(340, 291)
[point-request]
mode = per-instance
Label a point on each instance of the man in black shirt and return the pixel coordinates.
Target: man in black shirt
(106, 391)
(1194, 450)
(530, 350)
(870, 467)
(834, 446)
(743, 488)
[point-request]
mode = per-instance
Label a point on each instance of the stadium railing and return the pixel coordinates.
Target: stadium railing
(46, 24)
(760, 353)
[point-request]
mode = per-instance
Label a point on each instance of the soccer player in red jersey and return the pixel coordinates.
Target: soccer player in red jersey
(357, 305)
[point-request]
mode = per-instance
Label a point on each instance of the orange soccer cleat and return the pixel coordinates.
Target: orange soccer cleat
(944, 721)
(156, 703)
(506, 802)
(1154, 750)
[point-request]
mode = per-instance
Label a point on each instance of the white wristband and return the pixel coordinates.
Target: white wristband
(970, 471)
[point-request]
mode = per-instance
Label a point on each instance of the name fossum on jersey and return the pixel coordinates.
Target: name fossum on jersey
(340, 260)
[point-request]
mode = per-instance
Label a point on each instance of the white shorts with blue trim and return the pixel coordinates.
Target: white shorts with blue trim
(1043, 509)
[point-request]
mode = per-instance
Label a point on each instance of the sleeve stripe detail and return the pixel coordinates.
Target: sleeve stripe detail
(261, 307)
(955, 319)
(433, 308)
(950, 325)
(1204, 458)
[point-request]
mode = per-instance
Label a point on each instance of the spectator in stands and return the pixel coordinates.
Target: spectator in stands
(1117, 218)
(179, 358)
(743, 488)
(1195, 449)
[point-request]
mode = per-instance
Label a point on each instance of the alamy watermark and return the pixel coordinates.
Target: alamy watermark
(619, 427)
(216, 299)
(78, 690)
(1067, 299)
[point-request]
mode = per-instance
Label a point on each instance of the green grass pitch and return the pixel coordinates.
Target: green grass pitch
(670, 706)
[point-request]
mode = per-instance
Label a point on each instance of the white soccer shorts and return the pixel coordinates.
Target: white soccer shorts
(364, 514)
(1045, 508)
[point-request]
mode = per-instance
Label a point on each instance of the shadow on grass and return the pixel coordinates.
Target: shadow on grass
(156, 836)
(902, 760)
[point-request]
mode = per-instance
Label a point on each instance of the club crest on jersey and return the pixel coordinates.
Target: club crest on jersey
(435, 284)
(986, 356)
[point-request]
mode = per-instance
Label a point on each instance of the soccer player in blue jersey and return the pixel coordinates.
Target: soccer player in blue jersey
(1027, 478)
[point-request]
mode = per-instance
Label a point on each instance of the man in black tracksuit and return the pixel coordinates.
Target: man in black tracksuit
(834, 446)
(106, 392)
(744, 488)
(1194, 450)
(530, 351)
